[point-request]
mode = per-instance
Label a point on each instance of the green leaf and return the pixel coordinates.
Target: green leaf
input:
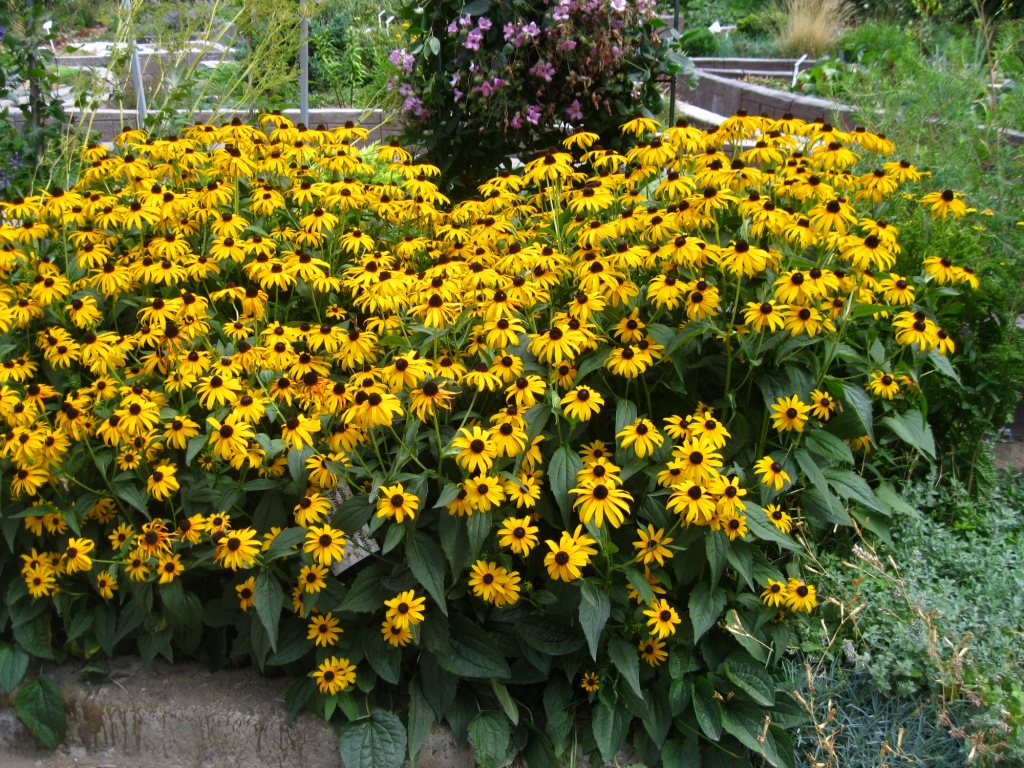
(195, 445)
(828, 446)
(472, 652)
(911, 428)
(366, 593)
(811, 470)
(640, 584)
(716, 546)
(850, 485)
(549, 634)
(590, 363)
(40, 706)
(434, 45)
(284, 542)
(561, 478)
(426, 561)
(751, 678)
(611, 724)
(942, 364)
(130, 494)
(34, 637)
(508, 704)
(681, 753)
(745, 722)
(421, 719)
(595, 607)
(476, 8)
(859, 401)
(13, 666)
(393, 538)
(705, 608)
(627, 661)
(489, 735)
(268, 597)
(824, 507)
(784, 753)
(385, 660)
(375, 741)
(707, 708)
(894, 502)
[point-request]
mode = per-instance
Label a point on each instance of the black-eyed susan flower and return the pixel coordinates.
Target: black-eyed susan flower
(641, 436)
(662, 619)
(883, 385)
(323, 630)
(77, 555)
(518, 534)
(652, 651)
(395, 503)
(169, 567)
(395, 635)
(334, 675)
(405, 609)
(789, 414)
(325, 544)
(162, 482)
(779, 517)
(246, 592)
(237, 548)
(590, 682)
(476, 450)
(774, 593)
(652, 545)
(800, 596)
(600, 499)
(822, 405)
(771, 473)
(312, 578)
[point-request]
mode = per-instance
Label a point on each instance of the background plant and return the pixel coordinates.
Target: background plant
(483, 81)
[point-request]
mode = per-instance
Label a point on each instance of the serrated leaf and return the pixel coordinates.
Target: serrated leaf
(284, 543)
(890, 498)
(561, 477)
(716, 546)
(421, 719)
(745, 722)
(40, 706)
(751, 678)
(194, 446)
(376, 741)
(850, 485)
(489, 735)
(828, 446)
(268, 597)
(610, 726)
(859, 401)
(426, 561)
(707, 708)
(13, 666)
(508, 705)
(911, 428)
(595, 607)
(705, 608)
(942, 364)
(640, 583)
(627, 661)
(472, 652)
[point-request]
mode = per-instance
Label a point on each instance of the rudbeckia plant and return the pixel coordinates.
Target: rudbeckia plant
(538, 464)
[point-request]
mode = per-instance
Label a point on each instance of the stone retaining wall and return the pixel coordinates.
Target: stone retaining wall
(725, 96)
(185, 716)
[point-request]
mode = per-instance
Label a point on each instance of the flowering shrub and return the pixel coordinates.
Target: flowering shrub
(482, 82)
(544, 453)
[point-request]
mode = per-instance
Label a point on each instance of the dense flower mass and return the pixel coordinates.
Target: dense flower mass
(266, 354)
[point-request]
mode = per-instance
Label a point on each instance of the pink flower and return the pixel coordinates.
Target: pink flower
(533, 114)
(484, 23)
(574, 112)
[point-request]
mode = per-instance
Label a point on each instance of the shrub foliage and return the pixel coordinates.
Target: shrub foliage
(544, 453)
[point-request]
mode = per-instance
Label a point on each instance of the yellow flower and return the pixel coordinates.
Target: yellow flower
(324, 630)
(405, 609)
(790, 413)
(771, 472)
(662, 619)
(237, 549)
(395, 503)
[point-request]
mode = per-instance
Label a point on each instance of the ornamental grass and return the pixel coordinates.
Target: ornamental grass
(538, 464)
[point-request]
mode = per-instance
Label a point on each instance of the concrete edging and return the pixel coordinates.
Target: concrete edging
(184, 716)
